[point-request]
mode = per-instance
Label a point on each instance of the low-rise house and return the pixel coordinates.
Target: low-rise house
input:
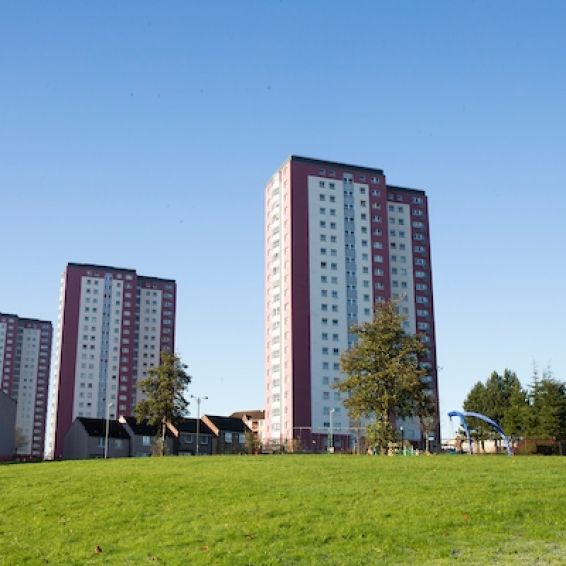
(185, 434)
(253, 420)
(86, 439)
(143, 435)
(7, 426)
(229, 433)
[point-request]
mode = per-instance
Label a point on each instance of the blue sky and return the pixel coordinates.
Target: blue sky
(141, 135)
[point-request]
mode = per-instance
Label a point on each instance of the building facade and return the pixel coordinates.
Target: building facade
(7, 427)
(113, 324)
(25, 356)
(338, 240)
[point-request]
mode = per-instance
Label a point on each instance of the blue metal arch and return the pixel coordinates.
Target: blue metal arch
(489, 421)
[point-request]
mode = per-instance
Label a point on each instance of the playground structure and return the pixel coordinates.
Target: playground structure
(489, 421)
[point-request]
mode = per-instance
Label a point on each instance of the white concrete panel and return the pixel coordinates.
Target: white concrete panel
(149, 336)
(326, 260)
(27, 385)
(3, 332)
(401, 261)
(89, 344)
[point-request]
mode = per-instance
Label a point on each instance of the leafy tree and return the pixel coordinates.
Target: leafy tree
(548, 407)
(516, 415)
(164, 389)
(252, 442)
(383, 376)
(20, 439)
(501, 398)
(477, 401)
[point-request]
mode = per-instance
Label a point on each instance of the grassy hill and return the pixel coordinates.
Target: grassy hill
(285, 510)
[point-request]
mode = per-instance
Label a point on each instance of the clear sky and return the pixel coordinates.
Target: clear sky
(141, 134)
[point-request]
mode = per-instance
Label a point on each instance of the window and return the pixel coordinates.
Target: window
(228, 437)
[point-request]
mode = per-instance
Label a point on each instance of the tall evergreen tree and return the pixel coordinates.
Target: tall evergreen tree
(383, 375)
(477, 401)
(548, 407)
(164, 390)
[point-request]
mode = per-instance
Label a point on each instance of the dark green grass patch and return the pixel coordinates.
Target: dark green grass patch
(285, 510)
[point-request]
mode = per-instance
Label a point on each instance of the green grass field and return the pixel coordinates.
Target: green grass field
(285, 510)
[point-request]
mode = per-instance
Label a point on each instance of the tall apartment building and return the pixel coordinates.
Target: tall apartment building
(25, 356)
(338, 240)
(113, 324)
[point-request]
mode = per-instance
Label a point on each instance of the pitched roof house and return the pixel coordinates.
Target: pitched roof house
(229, 432)
(142, 436)
(86, 439)
(185, 433)
(252, 419)
(7, 426)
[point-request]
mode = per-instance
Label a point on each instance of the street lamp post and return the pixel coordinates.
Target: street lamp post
(107, 429)
(331, 436)
(402, 439)
(199, 399)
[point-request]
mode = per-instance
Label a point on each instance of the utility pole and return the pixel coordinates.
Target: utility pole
(107, 429)
(199, 399)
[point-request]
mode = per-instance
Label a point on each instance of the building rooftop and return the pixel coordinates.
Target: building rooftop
(189, 425)
(122, 269)
(23, 319)
(396, 187)
(255, 414)
(227, 423)
(97, 427)
(334, 164)
(142, 428)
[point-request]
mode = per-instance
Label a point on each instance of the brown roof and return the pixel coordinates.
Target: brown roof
(255, 414)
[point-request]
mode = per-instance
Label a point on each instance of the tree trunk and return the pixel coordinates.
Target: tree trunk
(163, 438)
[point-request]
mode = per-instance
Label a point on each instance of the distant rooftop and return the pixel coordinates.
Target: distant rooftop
(396, 187)
(23, 319)
(334, 164)
(113, 268)
(97, 427)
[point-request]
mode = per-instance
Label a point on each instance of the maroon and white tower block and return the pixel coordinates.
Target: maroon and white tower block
(113, 324)
(25, 356)
(338, 239)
